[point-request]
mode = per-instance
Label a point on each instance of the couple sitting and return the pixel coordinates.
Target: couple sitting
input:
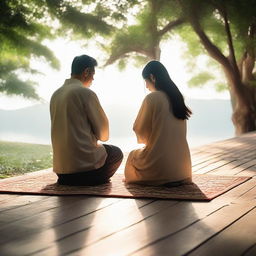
(78, 122)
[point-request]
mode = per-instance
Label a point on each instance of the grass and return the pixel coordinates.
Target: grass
(18, 158)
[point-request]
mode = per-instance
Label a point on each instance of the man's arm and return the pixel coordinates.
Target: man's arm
(97, 118)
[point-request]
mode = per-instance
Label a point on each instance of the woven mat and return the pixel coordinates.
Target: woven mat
(204, 187)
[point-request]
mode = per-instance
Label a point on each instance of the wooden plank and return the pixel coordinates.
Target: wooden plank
(203, 158)
(249, 172)
(182, 242)
(46, 217)
(222, 164)
(18, 213)
(250, 164)
(229, 151)
(212, 162)
(74, 212)
(98, 232)
(234, 195)
(239, 169)
(205, 164)
(228, 168)
(234, 240)
(12, 202)
(63, 226)
(250, 251)
(249, 195)
(234, 145)
(153, 229)
(230, 148)
(125, 213)
(6, 197)
(66, 209)
(211, 167)
(203, 209)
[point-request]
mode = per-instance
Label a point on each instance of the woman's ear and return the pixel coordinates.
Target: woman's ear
(152, 78)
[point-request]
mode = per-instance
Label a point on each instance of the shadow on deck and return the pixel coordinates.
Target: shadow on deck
(82, 225)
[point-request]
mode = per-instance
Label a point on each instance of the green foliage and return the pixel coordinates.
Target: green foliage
(213, 27)
(13, 85)
(140, 41)
(19, 158)
(21, 34)
(200, 79)
(242, 15)
(200, 16)
(220, 87)
(25, 24)
(85, 24)
(129, 40)
(122, 64)
(252, 83)
(140, 60)
(208, 18)
(188, 36)
(136, 61)
(204, 79)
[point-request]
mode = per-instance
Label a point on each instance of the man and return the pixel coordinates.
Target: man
(77, 123)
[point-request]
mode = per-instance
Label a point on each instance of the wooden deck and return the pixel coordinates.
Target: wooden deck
(82, 225)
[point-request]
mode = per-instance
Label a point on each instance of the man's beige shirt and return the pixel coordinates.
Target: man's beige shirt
(166, 156)
(77, 123)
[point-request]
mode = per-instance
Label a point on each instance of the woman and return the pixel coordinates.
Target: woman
(161, 126)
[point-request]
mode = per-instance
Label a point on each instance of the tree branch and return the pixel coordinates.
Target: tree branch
(212, 49)
(232, 56)
(215, 53)
(170, 26)
(124, 53)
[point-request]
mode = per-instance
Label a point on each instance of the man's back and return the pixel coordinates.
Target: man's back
(78, 122)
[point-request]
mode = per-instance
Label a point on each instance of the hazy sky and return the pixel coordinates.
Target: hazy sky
(112, 86)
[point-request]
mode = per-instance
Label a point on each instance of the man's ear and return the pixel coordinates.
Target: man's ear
(86, 72)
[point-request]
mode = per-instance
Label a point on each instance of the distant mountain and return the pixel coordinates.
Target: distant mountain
(27, 122)
(211, 120)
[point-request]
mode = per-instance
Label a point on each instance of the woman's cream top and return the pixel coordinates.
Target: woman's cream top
(77, 123)
(165, 157)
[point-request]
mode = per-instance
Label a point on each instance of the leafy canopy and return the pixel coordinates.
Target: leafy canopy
(25, 24)
(22, 30)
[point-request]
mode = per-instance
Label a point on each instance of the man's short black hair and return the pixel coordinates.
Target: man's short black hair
(80, 63)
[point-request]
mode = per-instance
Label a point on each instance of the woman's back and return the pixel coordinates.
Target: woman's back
(165, 157)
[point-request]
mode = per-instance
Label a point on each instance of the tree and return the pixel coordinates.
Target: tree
(25, 24)
(142, 40)
(226, 31)
(21, 35)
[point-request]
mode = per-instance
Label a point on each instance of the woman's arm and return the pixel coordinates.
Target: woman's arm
(143, 123)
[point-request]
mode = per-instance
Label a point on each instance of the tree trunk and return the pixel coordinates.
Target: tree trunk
(243, 118)
(245, 109)
(156, 52)
(242, 95)
(244, 115)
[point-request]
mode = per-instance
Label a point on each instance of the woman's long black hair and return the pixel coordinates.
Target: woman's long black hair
(164, 83)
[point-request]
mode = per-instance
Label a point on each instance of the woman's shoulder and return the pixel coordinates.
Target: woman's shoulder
(155, 96)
